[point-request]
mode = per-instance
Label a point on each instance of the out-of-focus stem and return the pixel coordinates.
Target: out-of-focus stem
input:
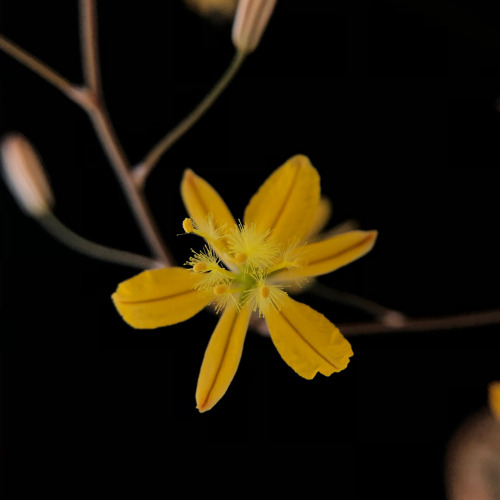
(118, 160)
(455, 322)
(105, 131)
(76, 242)
(90, 99)
(89, 47)
(458, 321)
(143, 169)
(386, 316)
(41, 69)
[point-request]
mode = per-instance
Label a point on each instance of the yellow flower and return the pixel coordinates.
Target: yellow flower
(245, 268)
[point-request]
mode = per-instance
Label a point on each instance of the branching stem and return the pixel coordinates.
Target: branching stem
(90, 99)
(76, 242)
(142, 170)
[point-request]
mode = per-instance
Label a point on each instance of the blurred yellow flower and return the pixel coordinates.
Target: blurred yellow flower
(245, 268)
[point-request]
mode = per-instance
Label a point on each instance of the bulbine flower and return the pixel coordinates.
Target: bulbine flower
(246, 268)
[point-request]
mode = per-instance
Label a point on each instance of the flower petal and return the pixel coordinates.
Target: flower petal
(222, 356)
(159, 297)
(306, 340)
(287, 202)
(202, 200)
(321, 218)
(328, 255)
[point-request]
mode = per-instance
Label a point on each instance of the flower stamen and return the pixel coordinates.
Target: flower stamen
(187, 225)
(221, 289)
(200, 267)
(256, 249)
(265, 296)
(240, 258)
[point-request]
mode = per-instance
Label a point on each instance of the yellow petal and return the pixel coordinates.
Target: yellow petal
(306, 340)
(202, 200)
(159, 297)
(287, 202)
(494, 397)
(321, 218)
(328, 255)
(222, 356)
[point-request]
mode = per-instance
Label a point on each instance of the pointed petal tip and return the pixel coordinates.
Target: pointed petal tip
(203, 408)
(371, 238)
(188, 174)
(300, 159)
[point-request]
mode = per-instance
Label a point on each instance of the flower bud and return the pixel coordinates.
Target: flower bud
(473, 458)
(250, 22)
(25, 176)
(216, 9)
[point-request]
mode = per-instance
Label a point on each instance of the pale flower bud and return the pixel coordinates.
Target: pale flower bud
(250, 22)
(25, 176)
(218, 9)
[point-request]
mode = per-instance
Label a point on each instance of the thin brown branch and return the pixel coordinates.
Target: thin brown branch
(97, 111)
(468, 320)
(89, 47)
(106, 133)
(136, 198)
(69, 89)
(381, 313)
(406, 324)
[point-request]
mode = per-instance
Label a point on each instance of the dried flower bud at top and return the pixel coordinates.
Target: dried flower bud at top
(251, 20)
(24, 174)
(217, 9)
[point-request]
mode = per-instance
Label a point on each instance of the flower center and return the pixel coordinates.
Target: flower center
(237, 262)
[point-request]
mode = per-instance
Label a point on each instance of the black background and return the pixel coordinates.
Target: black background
(395, 103)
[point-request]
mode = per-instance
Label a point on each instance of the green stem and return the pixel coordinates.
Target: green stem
(142, 170)
(76, 242)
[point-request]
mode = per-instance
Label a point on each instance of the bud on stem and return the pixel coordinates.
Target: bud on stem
(25, 176)
(252, 17)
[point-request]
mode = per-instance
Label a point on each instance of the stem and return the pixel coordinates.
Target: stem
(89, 47)
(143, 169)
(41, 69)
(468, 320)
(105, 131)
(93, 104)
(76, 242)
(136, 198)
(386, 316)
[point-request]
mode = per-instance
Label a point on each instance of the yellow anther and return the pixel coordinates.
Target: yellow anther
(264, 291)
(239, 258)
(221, 289)
(187, 225)
(200, 267)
